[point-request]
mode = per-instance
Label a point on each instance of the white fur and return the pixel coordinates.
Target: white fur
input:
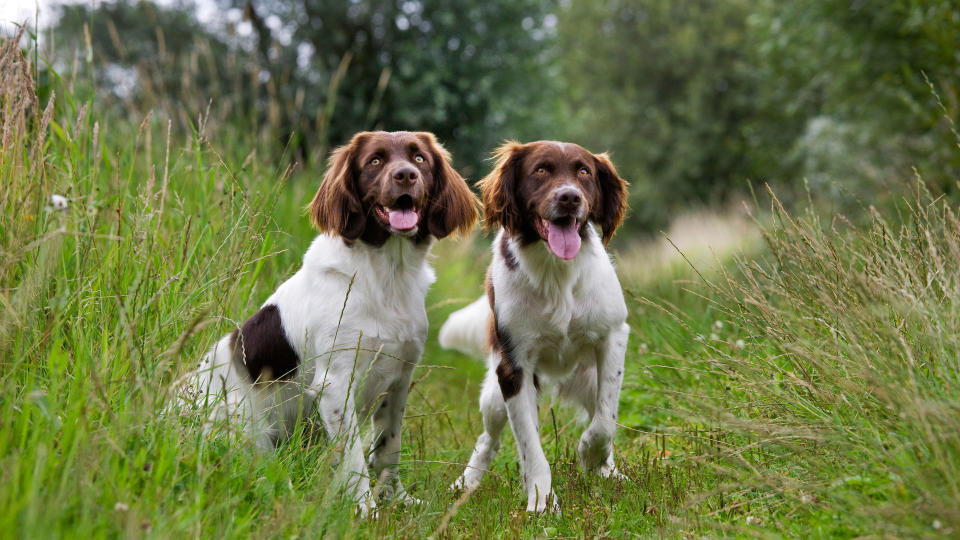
(567, 324)
(354, 365)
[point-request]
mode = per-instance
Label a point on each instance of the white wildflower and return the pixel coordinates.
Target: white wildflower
(714, 337)
(740, 344)
(120, 507)
(936, 524)
(643, 349)
(751, 520)
(718, 325)
(59, 202)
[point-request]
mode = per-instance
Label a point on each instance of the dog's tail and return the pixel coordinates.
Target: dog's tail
(466, 329)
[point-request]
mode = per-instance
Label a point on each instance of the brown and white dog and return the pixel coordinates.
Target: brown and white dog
(344, 333)
(554, 309)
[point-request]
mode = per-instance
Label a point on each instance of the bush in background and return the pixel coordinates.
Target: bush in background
(697, 98)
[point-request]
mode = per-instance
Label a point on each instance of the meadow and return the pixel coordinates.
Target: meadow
(801, 382)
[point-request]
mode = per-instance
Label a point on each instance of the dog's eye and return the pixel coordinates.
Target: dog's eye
(375, 161)
(584, 171)
(418, 158)
(541, 170)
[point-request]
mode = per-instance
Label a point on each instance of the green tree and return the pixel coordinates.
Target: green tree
(865, 66)
(460, 68)
(142, 56)
(473, 72)
(697, 97)
(668, 89)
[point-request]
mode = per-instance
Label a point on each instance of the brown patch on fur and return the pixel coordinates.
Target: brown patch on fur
(491, 320)
(613, 198)
(509, 257)
(261, 349)
(488, 288)
(498, 189)
(336, 207)
(509, 374)
(453, 207)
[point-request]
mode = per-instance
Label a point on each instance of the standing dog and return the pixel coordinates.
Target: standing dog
(344, 333)
(554, 309)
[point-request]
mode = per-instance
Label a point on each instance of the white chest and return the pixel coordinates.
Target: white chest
(557, 355)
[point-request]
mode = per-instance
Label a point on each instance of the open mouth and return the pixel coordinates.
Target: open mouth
(402, 216)
(562, 236)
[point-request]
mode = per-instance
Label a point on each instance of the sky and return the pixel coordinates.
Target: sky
(18, 11)
(206, 11)
(23, 10)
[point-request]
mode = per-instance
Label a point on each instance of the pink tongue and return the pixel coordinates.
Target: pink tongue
(564, 240)
(403, 219)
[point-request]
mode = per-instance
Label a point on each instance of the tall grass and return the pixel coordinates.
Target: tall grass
(845, 392)
(825, 401)
(100, 302)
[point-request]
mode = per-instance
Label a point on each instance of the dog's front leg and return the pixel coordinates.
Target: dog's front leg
(520, 396)
(494, 413)
(388, 423)
(337, 408)
(596, 443)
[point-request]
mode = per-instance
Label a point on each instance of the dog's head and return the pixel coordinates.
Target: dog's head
(549, 190)
(392, 183)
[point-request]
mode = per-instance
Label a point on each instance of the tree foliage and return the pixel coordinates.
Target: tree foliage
(694, 98)
(324, 70)
(876, 69)
(666, 87)
(459, 68)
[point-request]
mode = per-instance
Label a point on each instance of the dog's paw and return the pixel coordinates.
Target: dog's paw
(463, 483)
(406, 499)
(607, 471)
(539, 505)
(367, 507)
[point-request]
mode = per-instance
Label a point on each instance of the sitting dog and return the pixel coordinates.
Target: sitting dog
(344, 333)
(554, 310)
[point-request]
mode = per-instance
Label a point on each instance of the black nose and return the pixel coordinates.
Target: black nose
(406, 174)
(569, 199)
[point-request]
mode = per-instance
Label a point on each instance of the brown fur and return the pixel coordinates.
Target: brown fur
(509, 374)
(453, 207)
(261, 350)
(492, 342)
(498, 189)
(336, 206)
(509, 257)
(613, 189)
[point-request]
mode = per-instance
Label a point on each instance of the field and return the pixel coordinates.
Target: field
(801, 381)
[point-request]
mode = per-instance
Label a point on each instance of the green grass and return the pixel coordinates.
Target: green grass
(825, 405)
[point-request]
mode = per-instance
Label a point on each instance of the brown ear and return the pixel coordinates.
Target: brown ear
(613, 198)
(452, 207)
(499, 189)
(336, 207)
